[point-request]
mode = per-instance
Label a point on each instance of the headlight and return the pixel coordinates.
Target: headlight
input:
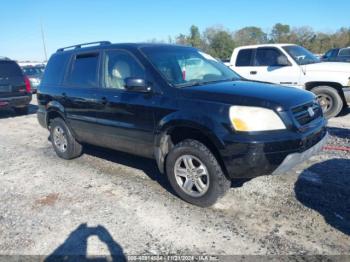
(246, 119)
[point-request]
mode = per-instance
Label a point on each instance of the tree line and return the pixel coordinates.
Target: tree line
(219, 41)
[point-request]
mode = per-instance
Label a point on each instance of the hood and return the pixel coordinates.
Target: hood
(329, 67)
(250, 94)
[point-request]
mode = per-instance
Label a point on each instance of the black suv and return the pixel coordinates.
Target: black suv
(14, 87)
(202, 123)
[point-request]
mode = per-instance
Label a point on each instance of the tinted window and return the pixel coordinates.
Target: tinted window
(244, 57)
(267, 57)
(55, 69)
(84, 69)
(120, 65)
(344, 52)
(329, 53)
(9, 69)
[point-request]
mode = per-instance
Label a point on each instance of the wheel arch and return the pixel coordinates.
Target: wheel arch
(311, 85)
(177, 131)
(54, 110)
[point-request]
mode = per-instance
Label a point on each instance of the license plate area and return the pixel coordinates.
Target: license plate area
(5, 89)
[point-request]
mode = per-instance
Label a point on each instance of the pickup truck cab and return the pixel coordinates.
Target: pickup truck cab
(201, 122)
(292, 65)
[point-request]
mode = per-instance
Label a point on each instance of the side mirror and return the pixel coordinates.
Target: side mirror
(137, 85)
(282, 61)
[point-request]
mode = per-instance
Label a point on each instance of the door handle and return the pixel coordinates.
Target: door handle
(253, 72)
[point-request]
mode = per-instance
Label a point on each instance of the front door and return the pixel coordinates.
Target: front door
(267, 68)
(126, 121)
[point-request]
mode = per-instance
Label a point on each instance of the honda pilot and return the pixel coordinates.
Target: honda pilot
(201, 122)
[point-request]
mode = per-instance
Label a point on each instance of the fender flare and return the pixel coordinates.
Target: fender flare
(163, 143)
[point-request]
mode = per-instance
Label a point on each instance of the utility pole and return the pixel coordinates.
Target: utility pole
(43, 39)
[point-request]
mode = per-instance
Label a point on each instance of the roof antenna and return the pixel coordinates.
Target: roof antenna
(43, 39)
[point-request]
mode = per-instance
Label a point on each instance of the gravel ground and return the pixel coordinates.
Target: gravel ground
(109, 202)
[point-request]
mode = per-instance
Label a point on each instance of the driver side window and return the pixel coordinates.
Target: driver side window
(118, 66)
(267, 57)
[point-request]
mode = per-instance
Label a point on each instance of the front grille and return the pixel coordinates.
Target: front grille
(303, 114)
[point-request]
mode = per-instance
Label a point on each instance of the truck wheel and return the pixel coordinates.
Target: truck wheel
(63, 141)
(195, 174)
(329, 100)
(21, 110)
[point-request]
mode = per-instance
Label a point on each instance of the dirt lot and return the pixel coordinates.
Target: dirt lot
(107, 201)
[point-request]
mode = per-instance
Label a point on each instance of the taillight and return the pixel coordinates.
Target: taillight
(27, 82)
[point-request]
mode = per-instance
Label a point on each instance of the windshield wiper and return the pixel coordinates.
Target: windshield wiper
(199, 83)
(194, 83)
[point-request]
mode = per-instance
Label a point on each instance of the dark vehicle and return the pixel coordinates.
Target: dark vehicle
(14, 87)
(202, 123)
(34, 74)
(337, 55)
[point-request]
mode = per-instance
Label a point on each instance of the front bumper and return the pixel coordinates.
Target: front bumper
(294, 159)
(249, 156)
(16, 101)
(346, 92)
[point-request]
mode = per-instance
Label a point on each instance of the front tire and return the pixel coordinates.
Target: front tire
(63, 141)
(195, 174)
(329, 99)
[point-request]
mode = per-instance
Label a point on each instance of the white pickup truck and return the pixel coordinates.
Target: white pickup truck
(295, 66)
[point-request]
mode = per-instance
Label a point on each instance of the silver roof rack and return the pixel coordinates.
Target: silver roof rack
(83, 45)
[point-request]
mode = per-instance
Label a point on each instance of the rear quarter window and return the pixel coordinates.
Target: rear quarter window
(9, 69)
(244, 57)
(84, 70)
(56, 67)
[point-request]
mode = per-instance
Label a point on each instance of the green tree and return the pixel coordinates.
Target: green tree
(222, 45)
(181, 39)
(280, 33)
(250, 35)
(195, 37)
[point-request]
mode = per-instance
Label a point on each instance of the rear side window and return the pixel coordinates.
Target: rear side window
(244, 57)
(267, 57)
(344, 52)
(84, 70)
(55, 69)
(9, 69)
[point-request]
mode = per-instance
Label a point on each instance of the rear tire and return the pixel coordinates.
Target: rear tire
(22, 110)
(329, 99)
(208, 181)
(64, 143)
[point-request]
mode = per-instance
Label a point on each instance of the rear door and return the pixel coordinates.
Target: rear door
(244, 63)
(78, 95)
(11, 79)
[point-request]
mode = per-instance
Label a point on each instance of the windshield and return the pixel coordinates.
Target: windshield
(301, 55)
(182, 66)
